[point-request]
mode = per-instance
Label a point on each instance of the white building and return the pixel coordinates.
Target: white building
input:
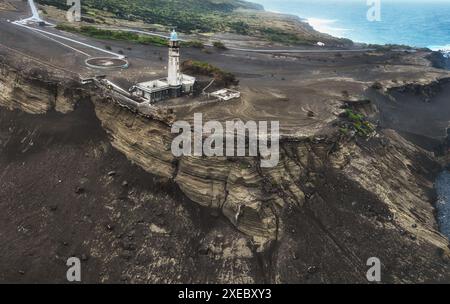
(226, 94)
(175, 85)
(174, 77)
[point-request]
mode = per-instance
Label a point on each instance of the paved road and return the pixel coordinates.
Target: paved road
(36, 18)
(244, 49)
(293, 51)
(47, 33)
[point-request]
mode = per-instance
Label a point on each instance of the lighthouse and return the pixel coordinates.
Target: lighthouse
(173, 69)
(174, 85)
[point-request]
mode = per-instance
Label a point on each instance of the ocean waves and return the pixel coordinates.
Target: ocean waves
(328, 26)
(445, 49)
(419, 23)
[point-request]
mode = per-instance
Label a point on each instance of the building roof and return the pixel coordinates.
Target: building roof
(162, 84)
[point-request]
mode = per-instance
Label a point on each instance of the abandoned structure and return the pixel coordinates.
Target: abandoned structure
(174, 85)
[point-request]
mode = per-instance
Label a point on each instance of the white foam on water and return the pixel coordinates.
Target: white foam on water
(442, 48)
(445, 49)
(327, 26)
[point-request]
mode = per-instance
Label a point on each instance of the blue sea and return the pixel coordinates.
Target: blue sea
(420, 23)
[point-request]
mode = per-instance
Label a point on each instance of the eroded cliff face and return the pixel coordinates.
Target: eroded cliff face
(35, 93)
(329, 205)
(231, 186)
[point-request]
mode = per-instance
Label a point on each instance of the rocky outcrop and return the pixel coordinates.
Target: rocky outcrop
(439, 60)
(34, 93)
(219, 183)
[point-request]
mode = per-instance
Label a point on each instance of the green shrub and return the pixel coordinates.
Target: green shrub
(277, 35)
(203, 68)
(97, 33)
(358, 123)
(240, 27)
(219, 45)
(193, 43)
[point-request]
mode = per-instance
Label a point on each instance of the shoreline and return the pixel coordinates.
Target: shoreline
(331, 27)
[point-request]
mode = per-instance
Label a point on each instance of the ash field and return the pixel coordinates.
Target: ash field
(83, 177)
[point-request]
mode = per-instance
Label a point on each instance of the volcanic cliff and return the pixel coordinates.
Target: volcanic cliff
(332, 202)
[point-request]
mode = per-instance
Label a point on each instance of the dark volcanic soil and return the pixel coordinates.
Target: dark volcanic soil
(64, 191)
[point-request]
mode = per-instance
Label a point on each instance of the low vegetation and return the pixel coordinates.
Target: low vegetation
(194, 67)
(219, 45)
(193, 43)
(188, 15)
(94, 32)
(356, 124)
(276, 35)
(202, 16)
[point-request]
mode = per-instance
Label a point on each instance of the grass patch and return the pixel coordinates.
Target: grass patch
(276, 35)
(193, 43)
(357, 123)
(195, 67)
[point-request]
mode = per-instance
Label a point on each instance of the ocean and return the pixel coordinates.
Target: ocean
(419, 23)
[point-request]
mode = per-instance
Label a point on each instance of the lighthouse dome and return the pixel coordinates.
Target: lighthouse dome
(174, 36)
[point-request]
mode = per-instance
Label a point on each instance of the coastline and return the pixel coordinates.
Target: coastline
(318, 24)
(340, 25)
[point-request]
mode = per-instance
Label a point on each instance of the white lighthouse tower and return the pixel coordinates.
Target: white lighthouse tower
(174, 85)
(174, 76)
